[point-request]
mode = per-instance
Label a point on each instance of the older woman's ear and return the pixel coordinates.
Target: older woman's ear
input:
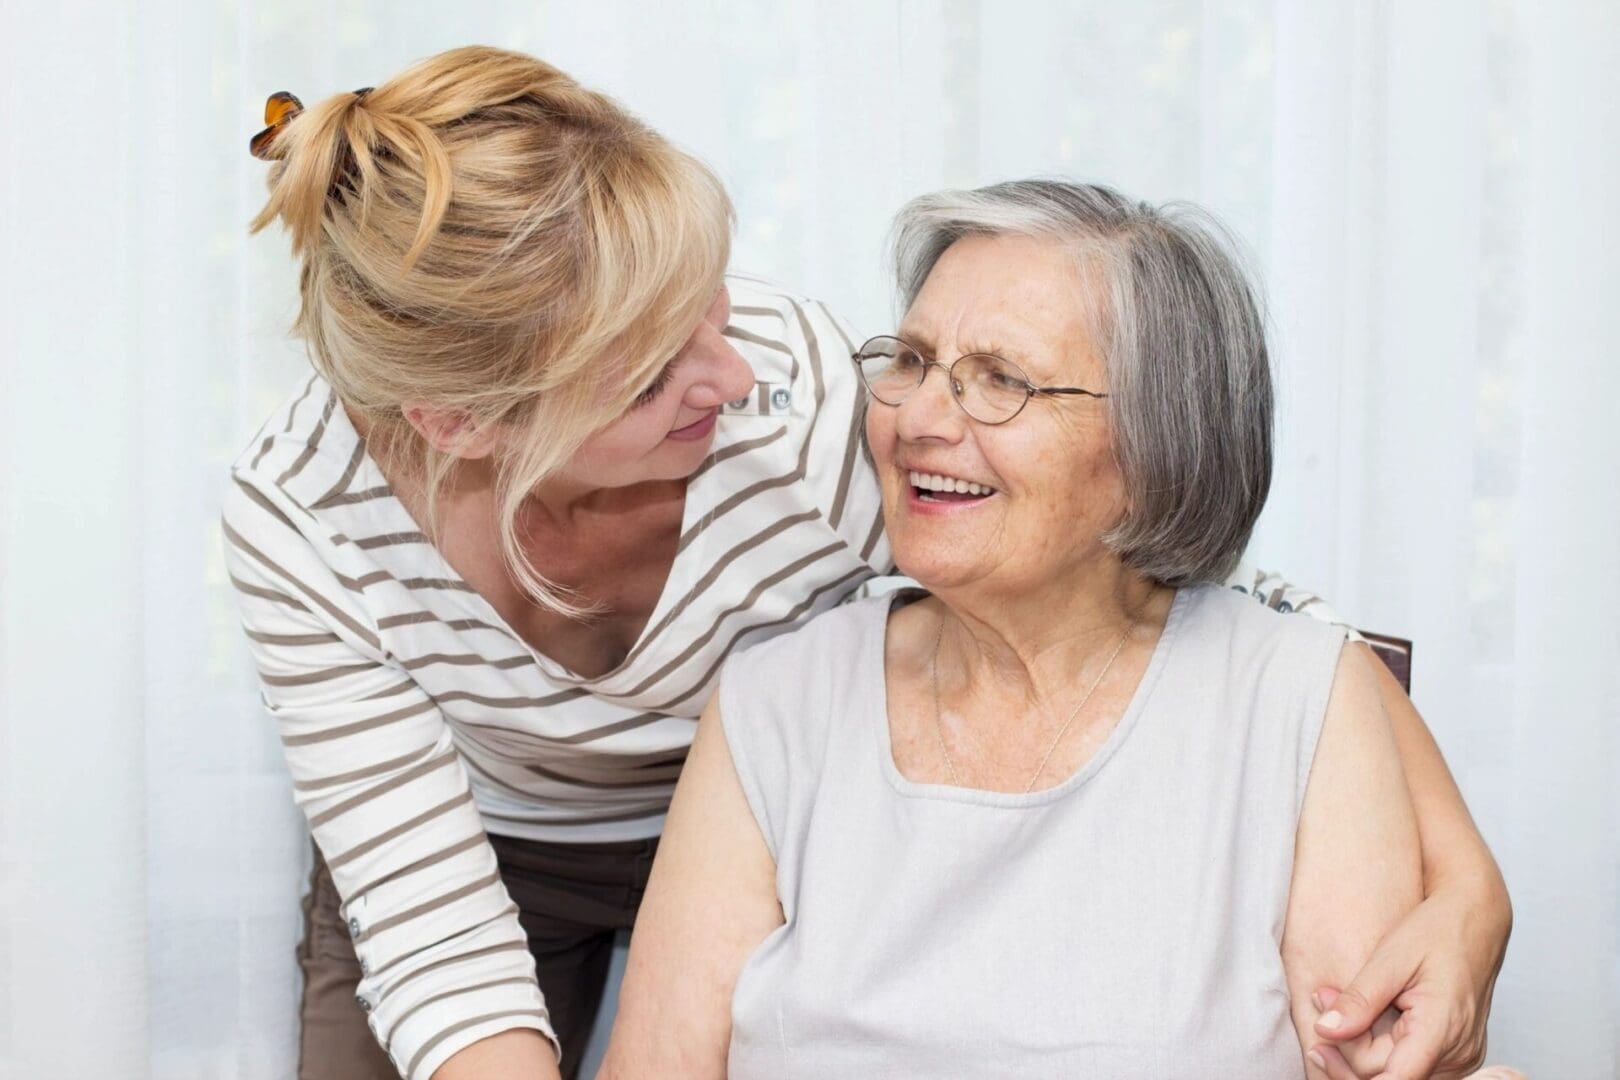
(451, 431)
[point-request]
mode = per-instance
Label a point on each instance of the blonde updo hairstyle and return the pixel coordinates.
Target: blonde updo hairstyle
(483, 235)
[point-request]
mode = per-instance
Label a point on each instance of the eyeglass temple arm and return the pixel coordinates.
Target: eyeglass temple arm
(1065, 390)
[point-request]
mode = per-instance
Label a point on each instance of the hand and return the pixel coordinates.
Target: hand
(1366, 1059)
(1368, 1056)
(1438, 969)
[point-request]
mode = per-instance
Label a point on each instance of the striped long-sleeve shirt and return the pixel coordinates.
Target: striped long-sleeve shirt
(413, 718)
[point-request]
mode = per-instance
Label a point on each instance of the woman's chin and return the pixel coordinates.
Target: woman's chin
(678, 460)
(937, 570)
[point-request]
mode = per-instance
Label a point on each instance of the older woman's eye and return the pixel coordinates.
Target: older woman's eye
(994, 375)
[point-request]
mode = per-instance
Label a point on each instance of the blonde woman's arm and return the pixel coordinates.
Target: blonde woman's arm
(710, 902)
(518, 1054)
(447, 979)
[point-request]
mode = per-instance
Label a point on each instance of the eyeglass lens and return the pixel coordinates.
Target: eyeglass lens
(987, 387)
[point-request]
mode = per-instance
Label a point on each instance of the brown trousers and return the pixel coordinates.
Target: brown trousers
(571, 899)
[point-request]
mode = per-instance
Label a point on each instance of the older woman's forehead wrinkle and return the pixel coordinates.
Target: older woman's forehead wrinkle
(1016, 297)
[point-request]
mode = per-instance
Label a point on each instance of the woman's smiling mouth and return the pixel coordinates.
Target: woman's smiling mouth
(940, 488)
(693, 432)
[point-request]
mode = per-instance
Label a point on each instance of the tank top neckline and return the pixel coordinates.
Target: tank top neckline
(874, 678)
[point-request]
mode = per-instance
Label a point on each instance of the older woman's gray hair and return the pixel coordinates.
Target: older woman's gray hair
(1183, 341)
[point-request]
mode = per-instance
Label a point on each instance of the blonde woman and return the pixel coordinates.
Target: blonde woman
(552, 469)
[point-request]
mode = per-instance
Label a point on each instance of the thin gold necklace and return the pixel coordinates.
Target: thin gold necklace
(939, 727)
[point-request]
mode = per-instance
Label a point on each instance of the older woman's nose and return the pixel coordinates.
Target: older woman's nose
(930, 411)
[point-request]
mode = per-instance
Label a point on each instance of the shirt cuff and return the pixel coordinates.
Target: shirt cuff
(441, 1048)
(477, 985)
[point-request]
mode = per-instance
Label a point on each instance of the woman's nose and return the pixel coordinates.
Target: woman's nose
(729, 377)
(739, 376)
(930, 411)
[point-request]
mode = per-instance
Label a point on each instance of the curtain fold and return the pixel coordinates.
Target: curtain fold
(1426, 192)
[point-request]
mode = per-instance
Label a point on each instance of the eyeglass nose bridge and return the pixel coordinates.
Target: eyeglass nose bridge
(952, 385)
(950, 380)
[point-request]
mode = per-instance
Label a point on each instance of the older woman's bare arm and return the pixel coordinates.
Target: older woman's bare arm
(1358, 865)
(1439, 964)
(710, 901)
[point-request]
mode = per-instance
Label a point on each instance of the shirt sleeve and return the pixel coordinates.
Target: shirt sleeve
(1276, 592)
(444, 961)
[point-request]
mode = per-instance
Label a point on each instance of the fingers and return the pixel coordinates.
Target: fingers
(1367, 1054)
(1374, 988)
(1370, 1054)
(1330, 1061)
(1416, 1054)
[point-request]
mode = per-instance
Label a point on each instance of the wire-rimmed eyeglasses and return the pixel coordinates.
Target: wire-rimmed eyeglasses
(989, 389)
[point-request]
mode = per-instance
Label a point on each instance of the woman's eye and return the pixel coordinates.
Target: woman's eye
(647, 396)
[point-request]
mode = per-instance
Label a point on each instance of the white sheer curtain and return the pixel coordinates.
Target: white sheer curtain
(1428, 192)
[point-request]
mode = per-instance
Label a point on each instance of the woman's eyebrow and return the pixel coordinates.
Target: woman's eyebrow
(1037, 361)
(917, 340)
(924, 344)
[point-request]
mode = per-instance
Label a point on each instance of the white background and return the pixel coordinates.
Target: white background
(1431, 195)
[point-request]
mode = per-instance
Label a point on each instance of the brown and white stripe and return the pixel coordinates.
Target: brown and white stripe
(413, 719)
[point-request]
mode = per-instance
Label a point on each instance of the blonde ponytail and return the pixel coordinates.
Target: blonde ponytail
(483, 234)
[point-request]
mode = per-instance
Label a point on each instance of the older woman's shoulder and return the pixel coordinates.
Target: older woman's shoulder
(1250, 628)
(838, 634)
(800, 680)
(781, 700)
(1271, 670)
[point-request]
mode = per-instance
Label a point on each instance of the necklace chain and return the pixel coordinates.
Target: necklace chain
(939, 726)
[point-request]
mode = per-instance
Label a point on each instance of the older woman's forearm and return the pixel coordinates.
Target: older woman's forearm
(1454, 853)
(518, 1054)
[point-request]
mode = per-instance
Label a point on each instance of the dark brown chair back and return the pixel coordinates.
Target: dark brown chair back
(1396, 653)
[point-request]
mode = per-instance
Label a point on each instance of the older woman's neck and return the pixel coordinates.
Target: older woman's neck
(1031, 637)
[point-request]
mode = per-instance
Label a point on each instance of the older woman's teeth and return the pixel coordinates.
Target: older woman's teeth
(932, 483)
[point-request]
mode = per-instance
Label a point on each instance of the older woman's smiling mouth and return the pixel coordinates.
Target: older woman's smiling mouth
(939, 488)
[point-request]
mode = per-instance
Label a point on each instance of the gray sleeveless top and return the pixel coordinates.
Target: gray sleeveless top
(1124, 924)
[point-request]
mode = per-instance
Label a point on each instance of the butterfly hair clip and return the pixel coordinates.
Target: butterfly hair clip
(279, 110)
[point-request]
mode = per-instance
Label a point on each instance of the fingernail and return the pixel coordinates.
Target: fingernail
(1316, 1001)
(1330, 1020)
(1316, 1059)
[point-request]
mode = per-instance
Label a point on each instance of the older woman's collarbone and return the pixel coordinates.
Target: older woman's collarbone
(997, 743)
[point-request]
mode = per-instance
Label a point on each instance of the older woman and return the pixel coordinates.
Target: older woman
(1080, 811)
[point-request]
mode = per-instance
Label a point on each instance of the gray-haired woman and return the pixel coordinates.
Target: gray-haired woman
(1081, 811)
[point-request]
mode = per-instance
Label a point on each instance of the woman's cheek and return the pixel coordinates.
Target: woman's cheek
(880, 436)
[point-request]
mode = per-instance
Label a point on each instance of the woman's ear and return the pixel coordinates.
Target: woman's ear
(451, 431)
